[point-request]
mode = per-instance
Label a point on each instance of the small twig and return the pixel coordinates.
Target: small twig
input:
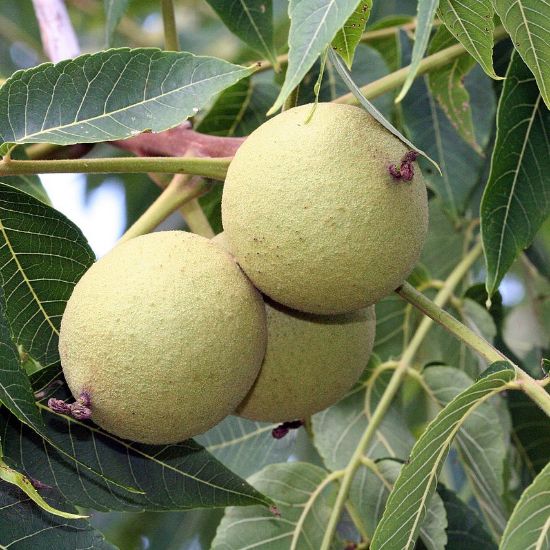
(477, 343)
(195, 218)
(215, 168)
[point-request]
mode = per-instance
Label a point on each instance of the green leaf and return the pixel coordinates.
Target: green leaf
(389, 47)
(447, 86)
(226, 111)
(371, 109)
(245, 447)
(369, 65)
(30, 184)
(465, 531)
(251, 21)
(481, 321)
(417, 481)
(425, 18)
(42, 256)
(527, 24)
(346, 40)
(471, 23)
(395, 319)
(313, 26)
(392, 328)
(191, 530)
(516, 199)
(211, 203)
(240, 109)
(114, 10)
(16, 393)
(17, 479)
(429, 127)
(24, 526)
(169, 477)
(445, 242)
(291, 486)
(338, 429)
(531, 432)
(110, 95)
(529, 525)
(369, 493)
(481, 444)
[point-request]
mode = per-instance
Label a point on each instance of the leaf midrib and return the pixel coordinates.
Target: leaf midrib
(543, 532)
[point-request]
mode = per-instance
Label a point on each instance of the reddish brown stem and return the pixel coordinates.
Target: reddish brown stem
(58, 37)
(179, 142)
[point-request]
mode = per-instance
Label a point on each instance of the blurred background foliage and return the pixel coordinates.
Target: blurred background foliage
(104, 206)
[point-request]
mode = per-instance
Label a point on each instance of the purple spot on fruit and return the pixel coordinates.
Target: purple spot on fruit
(406, 171)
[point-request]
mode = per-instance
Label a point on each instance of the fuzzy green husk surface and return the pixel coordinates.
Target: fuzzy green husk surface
(166, 334)
(310, 363)
(311, 360)
(313, 215)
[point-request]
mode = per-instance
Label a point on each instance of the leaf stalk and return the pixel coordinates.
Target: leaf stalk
(180, 191)
(215, 168)
(533, 388)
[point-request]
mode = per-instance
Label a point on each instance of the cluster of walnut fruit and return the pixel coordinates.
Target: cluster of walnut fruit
(272, 320)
